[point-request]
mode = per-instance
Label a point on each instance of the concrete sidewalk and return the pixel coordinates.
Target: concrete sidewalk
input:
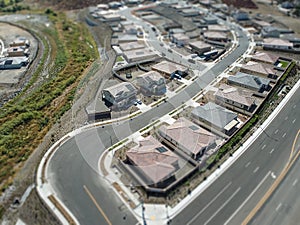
(157, 214)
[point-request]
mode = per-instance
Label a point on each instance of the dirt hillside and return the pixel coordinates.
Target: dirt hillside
(67, 4)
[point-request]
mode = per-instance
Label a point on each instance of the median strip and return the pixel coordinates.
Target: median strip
(61, 209)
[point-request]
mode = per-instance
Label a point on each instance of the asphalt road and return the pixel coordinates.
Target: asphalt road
(234, 194)
(284, 205)
(74, 165)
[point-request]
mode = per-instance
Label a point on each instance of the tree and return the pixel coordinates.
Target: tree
(2, 4)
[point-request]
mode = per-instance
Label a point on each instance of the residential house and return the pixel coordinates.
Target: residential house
(171, 25)
(131, 46)
(251, 82)
(111, 17)
(218, 28)
(193, 34)
(175, 31)
(277, 44)
(259, 24)
(220, 7)
(205, 3)
(114, 5)
(232, 96)
(292, 38)
(139, 55)
(20, 42)
(102, 7)
(287, 5)
(180, 39)
(217, 117)
(200, 47)
(152, 83)
(169, 69)
(190, 12)
(264, 57)
(154, 162)
(180, 7)
(132, 2)
(270, 32)
(188, 137)
(127, 38)
(215, 36)
(240, 16)
(97, 110)
(130, 29)
(265, 70)
(121, 95)
(210, 20)
(17, 52)
(7, 63)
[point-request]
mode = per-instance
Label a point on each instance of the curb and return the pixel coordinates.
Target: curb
(203, 186)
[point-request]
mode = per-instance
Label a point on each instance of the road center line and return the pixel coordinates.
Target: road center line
(199, 213)
(276, 131)
(97, 205)
(283, 135)
(256, 169)
(294, 121)
(286, 118)
(272, 151)
(247, 164)
(263, 147)
(247, 199)
(294, 106)
(295, 182)
(223, 205)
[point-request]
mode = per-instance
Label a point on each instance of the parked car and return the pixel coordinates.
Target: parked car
(176, 76)
(193, 56)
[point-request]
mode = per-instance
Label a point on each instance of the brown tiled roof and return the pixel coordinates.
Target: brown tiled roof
(265, 57)
(199, 44)
(277, 41)
(189, 135)
(235, 94)
(120, 88)
(168, 67)
(158, 172)
(154, 159)
(127, 46)
(259, 68)
(153, 75)
(215, 34)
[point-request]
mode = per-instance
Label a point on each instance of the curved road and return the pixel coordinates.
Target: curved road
(73, 168)
(283, 206)
(235, 193)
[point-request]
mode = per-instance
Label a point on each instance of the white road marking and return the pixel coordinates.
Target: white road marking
(295, 182)
(294, 121)
(256, 169)
(278, 207)
(272, 151)
(247, 199)
(263, 147)
(199, 213)
(222, 206)
(294, 106)
(283, 135)
(276, 131)
(247, 164)
(273, 175)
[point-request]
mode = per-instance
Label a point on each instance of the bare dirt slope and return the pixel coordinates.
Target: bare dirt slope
(66, 4)
(241, 3)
